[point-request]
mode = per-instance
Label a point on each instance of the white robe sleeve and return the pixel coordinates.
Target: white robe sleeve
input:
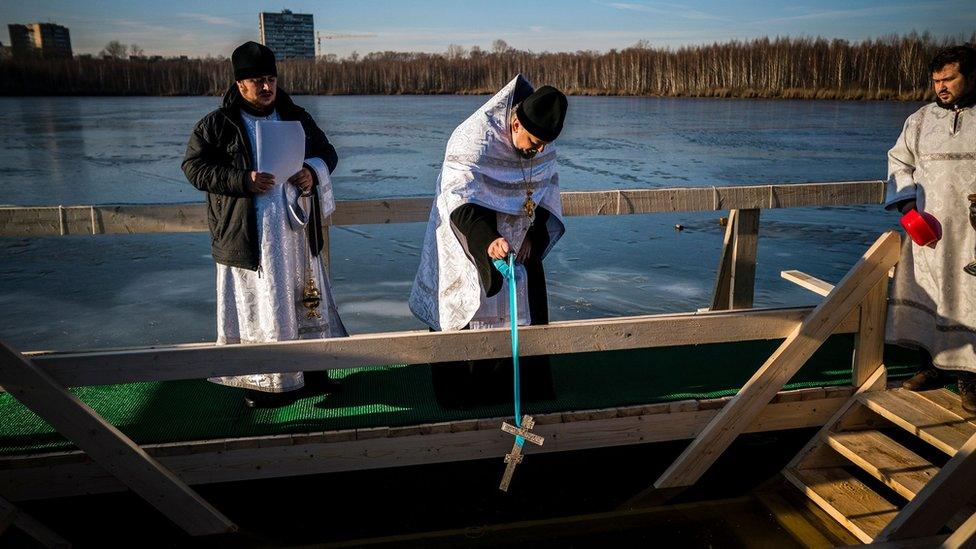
(901, 166)
(326, 198)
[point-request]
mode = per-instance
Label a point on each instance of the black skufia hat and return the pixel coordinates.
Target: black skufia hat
(543, 113)
(252, 60)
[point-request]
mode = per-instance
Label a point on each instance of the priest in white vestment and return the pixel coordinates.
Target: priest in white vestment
(932, 168)
(266, 233)
(498, 192)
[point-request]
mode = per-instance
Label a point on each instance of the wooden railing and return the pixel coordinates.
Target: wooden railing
(39, 379)
(178, 218)
(864, 289)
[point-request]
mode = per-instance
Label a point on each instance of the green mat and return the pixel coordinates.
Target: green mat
(402, 395)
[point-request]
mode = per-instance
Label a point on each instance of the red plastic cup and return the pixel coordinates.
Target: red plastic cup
(924, 228)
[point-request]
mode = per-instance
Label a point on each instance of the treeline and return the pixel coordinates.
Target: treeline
(893, 67)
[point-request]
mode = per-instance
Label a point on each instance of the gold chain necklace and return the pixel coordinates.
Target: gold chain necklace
(529, 206)
(311, 296)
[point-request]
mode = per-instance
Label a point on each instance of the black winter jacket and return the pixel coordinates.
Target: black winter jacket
(218, 161)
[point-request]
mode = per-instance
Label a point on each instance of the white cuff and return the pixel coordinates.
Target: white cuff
(326, 199)
(893, 198)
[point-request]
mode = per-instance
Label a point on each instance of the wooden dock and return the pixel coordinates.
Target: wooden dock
(163, 474)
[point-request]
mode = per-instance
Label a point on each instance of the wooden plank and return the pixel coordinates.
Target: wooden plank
(875, 382)
(915, 414)
(744, 252)
(897, 467)
(917, 543)
(205, 462)
(809, 282)
(939, 500)
(157, 218)
(8, 512)
(381, 211)
(848, 501)
(802, 518)
(963, 537)
(200, 361)
(108, 446)
(44, 536)
(723, 276)
(869, 341)
(782, 365)
(949, 401)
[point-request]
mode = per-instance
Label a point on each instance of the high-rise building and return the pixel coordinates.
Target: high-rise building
(290, 35)
(45, 40)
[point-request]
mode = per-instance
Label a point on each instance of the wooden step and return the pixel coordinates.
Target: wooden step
(897, 467)
(849, 501)
(948, 400)
(921, 417)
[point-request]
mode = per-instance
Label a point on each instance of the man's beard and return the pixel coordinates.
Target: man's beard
(527, 154)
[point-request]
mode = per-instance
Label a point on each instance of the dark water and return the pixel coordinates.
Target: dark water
(85, 292)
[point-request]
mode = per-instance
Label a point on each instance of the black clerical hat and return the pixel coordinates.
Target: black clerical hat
(543, 113)
(252, 60)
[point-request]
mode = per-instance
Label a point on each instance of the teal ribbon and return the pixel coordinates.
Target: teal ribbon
(508, 271)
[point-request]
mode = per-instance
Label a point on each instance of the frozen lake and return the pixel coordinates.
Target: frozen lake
(84, 292)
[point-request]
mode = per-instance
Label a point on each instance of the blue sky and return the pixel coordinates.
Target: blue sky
(199, 28)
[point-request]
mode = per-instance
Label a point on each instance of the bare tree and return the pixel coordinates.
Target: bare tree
(135, 50)
(455, 51)
(115, 50)
(891, 67)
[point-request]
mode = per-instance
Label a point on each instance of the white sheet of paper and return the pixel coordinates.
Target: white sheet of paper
(281, 152)
(281, 148)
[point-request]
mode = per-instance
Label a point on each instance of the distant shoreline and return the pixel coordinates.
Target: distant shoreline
(891, 68)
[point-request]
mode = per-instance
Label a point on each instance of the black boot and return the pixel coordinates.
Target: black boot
(967, 390)
(264, 399)
(319, 383)
(929, 377)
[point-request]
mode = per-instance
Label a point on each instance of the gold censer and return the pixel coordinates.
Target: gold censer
(311, 299)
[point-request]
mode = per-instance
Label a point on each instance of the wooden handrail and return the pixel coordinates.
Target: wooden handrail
(108, 446)
(198, 361)
(844, 299)
(176, 218)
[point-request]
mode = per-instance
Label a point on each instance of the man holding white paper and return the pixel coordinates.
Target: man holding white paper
(265, 166)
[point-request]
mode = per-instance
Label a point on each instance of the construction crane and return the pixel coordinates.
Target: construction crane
(320, 36)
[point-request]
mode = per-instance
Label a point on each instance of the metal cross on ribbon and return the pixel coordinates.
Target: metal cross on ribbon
(521, 435)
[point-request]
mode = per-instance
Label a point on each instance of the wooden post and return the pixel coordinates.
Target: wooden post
(7, 514)
(782, 365)
(869, 341)
(939, 500)
(107, 446)
(10, 514)
(723, 277)
(744, 259)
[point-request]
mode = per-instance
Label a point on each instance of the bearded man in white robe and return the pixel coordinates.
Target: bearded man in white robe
(932, 168)
(268, 265)
(498, 192)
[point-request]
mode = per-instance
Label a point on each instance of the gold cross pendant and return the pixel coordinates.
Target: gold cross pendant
(529, 205)
(514, 458)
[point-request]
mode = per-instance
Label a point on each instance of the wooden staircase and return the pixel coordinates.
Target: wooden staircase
(890, 465)
(894, 464)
